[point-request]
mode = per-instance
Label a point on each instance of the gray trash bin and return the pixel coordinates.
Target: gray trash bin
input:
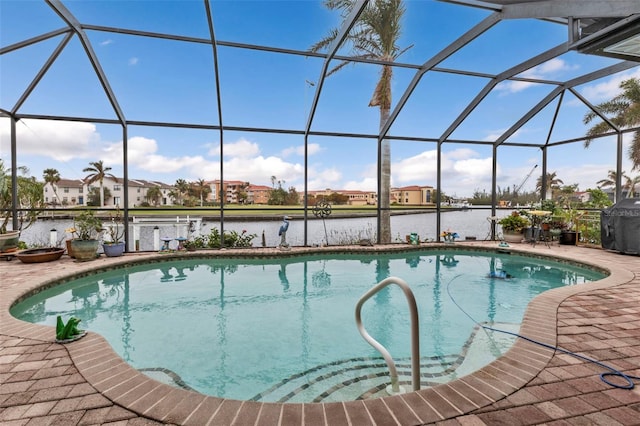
(620, 226)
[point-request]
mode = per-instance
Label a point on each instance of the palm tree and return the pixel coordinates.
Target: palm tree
(553, 183)
(182, 187)
(201, 188)
(154, 194)
(52, 177)
(374, 36)
(610, 181)
(630, 185)
(97, 172)
(623, 111)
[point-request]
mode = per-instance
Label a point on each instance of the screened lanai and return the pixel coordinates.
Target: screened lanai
(480, 94)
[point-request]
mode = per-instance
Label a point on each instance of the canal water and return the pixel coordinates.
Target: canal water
(470, 223)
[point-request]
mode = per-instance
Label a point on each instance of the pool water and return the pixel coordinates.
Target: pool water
(284, 329)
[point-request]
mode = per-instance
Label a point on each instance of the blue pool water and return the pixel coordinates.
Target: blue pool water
(284, 329)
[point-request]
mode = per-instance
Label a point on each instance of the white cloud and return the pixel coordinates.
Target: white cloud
(326, 178)
(366, 184)
(368, 179)
(60, 140)
(106, 42)
(312, 148)
(549, 69)
(241, 148)
(463, 171)
(133, 61)
(260, 169)
(143, 155)
(496, 134)
(605, 90)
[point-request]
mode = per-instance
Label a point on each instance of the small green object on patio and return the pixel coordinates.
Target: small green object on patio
(68, 332)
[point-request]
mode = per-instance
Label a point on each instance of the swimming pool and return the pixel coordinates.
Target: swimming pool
(283, 329)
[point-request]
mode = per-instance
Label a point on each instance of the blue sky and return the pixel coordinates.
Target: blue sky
(162, 80)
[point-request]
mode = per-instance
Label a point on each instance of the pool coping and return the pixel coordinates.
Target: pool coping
(103, 369)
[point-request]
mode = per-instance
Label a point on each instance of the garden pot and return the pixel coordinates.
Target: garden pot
(39, 255)
(84, 250)
(113, 249)
(69, 249)
(512, 236)
(569, 238)
(9, 241)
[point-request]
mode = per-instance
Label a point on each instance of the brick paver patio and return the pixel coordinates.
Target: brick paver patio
(86, 383)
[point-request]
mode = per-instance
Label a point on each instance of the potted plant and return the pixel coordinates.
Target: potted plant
(512, 227)
(113, 245)
(569, 235)
(86, 230)
(30, 196)
(195, 243)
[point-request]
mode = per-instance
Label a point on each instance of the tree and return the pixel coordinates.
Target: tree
(93, 197)
(623, 111)
(30, 196)
(292, 198)
(154, 195)
(552, 185)
(336, 198)
(181, 189)
(242, 193)
(611, 180)
(598, 199)
(566, 194)
(52, 177)
(277, 197)
(202, 188)
(374, 36)
(630, 185)
(97, 172)
(176, 196)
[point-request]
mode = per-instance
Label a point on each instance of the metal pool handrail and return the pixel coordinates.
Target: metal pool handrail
(415, 339)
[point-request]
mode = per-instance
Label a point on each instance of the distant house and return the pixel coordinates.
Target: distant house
(356, 198)
(409, 195)
(360, 198)
(73, 193)
(230, 189)
(582, 196)
(258, 194)
(138, 189)
(413, 195)
(66, 192)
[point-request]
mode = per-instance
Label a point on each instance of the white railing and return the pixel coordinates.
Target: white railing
(395, 387)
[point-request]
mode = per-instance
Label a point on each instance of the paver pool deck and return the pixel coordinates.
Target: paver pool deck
(85, 382)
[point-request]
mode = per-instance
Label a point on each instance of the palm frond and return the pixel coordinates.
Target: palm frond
(634, 151)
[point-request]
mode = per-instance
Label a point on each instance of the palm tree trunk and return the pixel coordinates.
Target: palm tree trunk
(385, 184)
(101, 194)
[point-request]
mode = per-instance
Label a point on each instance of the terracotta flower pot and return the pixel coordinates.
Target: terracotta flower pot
(69, 249)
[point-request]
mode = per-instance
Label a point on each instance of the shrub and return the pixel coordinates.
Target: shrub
(514, 222)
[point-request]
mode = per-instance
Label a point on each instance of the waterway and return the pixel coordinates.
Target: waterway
(470, 223)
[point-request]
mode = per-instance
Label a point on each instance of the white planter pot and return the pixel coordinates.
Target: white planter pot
(512, 236)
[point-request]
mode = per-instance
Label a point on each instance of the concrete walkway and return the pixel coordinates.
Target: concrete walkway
(85, 382)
